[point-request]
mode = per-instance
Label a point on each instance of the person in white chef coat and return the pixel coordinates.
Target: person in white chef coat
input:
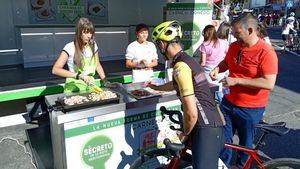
(141, 55)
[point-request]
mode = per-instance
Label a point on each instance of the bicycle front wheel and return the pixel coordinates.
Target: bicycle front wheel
(157, 159)
(282, 163)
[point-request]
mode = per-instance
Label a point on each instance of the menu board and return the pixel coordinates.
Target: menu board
(67, 11)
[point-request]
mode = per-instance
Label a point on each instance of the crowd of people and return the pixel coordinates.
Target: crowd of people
(237, 56)
(252, 64)
(289, 25)
(269, 19)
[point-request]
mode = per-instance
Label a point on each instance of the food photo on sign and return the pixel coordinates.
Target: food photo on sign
(42, 9)
(95, 8)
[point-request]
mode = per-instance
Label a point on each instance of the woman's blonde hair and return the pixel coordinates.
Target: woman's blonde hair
(83, 25)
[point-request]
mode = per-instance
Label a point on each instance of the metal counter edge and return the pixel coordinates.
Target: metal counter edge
(30, 92)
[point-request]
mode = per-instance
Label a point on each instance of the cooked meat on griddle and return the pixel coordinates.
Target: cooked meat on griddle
(140, 92)
(75, 100)
(102, 96)
(93, 97)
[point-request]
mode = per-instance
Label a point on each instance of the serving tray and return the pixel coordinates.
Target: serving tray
(139, 97)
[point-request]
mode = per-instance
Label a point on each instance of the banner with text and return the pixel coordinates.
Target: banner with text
(115, 140)
(193, 18)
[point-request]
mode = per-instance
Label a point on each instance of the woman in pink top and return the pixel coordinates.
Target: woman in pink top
(213, 51)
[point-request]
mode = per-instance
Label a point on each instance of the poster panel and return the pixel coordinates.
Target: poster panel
(67, 11)
(115, 140)
(193, 18)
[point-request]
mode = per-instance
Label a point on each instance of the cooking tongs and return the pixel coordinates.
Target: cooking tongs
(95, 88)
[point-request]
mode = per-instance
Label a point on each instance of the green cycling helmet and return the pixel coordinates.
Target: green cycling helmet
(167, 31)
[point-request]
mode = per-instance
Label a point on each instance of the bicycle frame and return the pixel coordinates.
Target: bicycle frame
(175, 162)
(252, 152)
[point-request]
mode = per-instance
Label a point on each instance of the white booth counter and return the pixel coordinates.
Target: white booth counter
(109, 136)
(41, 44)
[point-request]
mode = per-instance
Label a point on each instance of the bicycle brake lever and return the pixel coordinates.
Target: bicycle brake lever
(162, 112)
(173, 128)
(162, 116)
(163, 109)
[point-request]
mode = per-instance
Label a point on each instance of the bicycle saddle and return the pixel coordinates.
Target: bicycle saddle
(276, 128)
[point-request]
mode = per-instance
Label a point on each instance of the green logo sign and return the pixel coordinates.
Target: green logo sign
(97, 151)
(71, 9)
(190, 35)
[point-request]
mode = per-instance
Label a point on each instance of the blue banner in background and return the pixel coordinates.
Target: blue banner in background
(67, 11)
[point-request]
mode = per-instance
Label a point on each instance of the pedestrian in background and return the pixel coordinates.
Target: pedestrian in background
(263, 34)
(224, 32)
(275, 18)
(253, 67)
(213, 51)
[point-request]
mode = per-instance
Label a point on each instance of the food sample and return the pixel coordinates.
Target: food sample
(102, 96)
(92, 97)
(140, 92)
(75, 100)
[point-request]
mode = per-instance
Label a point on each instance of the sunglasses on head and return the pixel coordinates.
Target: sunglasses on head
(239, 58)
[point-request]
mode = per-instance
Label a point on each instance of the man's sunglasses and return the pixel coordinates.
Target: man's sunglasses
(239, 58)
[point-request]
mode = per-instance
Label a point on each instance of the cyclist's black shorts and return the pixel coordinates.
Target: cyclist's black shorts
(284, 37)
(207, 144)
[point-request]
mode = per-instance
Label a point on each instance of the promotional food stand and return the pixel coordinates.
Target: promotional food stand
(109, 135)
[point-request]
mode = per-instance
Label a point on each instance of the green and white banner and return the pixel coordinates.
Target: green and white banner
(115, 140)
(193, 18)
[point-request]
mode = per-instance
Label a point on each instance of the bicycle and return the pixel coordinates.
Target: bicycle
(175, 155)
(295, 41)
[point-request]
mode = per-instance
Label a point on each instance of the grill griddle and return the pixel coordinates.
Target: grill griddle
(86, 104)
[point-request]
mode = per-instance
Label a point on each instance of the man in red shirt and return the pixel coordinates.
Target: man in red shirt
(253, 67)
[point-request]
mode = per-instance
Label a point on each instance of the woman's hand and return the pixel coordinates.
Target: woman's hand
(214, 73)
(144, 62)
(88, 79)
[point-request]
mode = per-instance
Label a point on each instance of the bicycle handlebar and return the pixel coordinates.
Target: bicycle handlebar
(172, 116)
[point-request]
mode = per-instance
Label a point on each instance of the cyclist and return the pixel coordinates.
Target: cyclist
(287, 34)
(202, 121)
(253, 67)
(291, 18)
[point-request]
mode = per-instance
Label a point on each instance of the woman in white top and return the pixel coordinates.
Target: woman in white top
(141, 55)
(81, 56)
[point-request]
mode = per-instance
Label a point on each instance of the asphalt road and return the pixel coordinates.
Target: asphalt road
(284, 105)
